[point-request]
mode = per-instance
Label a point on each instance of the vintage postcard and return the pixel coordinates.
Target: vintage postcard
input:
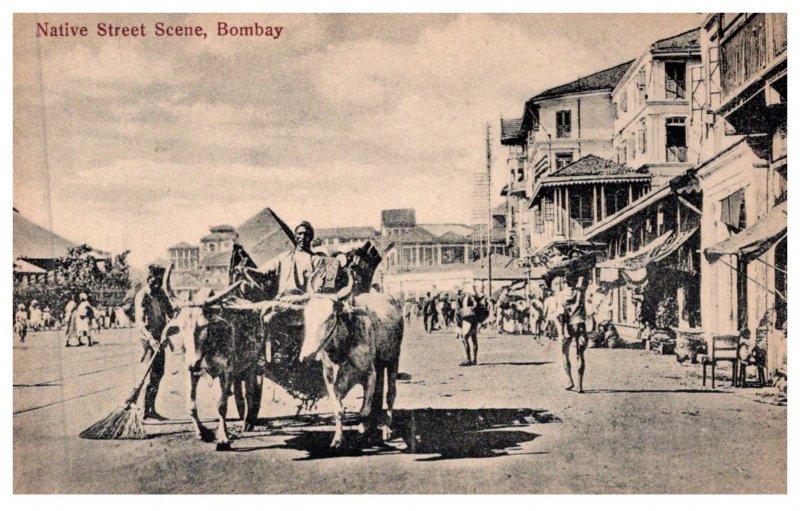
(400, 253)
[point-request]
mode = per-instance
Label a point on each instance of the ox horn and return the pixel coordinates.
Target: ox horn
(173, 300)
(224, 294)
(347, 289)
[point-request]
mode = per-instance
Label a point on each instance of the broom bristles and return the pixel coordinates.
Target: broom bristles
(124, 423)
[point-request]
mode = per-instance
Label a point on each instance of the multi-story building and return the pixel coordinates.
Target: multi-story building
(184, 256)
(572, 180)
(744, 180)
(654, 126)
(264, 236)
(654, 232)
(517, 216)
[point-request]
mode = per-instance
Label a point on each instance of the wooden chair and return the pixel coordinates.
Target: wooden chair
(724, 348)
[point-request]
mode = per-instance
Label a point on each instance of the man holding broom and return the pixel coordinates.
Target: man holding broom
(152, 311)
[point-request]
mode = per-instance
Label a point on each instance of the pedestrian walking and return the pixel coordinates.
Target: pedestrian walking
(21, 322)
(473, 312)
(34, 316)
(69, 320)
(152, 310)
(85, 317)
(575, 321)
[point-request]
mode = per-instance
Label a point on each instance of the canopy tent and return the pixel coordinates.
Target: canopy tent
(755, 240)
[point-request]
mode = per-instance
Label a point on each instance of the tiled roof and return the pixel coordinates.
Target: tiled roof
(605, 79)
(510, 131)
(398, 218)
(689, 40)
(35, 242)
(182, 244)
(346, 232)
(442, 229)
(215, 236)
(416, 235)
(222, 228)
(591, 165)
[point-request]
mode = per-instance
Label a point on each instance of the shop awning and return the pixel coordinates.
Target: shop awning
(639, 258)
(755, 240)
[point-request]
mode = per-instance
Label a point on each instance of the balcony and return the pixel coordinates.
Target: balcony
(676, 154)
(751, 45)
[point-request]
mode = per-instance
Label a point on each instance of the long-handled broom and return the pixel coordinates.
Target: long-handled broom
(124, 423)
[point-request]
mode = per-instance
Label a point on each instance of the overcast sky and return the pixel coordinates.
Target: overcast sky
(143, 142)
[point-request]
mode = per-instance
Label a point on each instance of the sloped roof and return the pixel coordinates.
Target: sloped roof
(215, 259)
(442, 229)
(182, 244)
(689, 40)
(416, 235)
(33, 241)
(23, 266)
(452, 237)
(591, 165)
(222, 228)
(265, 235)
(216, 236)
(346, 232)
(605, 79)
(270, 246)
(510, 133)
(398, 218)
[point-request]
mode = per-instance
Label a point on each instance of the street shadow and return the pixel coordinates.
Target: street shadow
(535, 363)
(442, 433)
(655, 391)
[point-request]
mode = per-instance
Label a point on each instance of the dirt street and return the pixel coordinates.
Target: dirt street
(645, 425)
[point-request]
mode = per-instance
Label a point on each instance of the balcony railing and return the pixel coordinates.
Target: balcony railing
(750, 48)
(676, 154)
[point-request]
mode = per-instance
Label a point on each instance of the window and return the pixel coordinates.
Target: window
(212, 247)
(616, 200)
(580, 209)
(623, 101)
(642, 137)
(564, 124)
(675, 85)
(623, 153)
(520, 175)
(676, 139)
(539, 217)
(732, 211)
(632, 146)
(563, 159)
(549, 210)
(640, 86)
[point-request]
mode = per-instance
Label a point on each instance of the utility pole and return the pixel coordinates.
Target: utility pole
(489, 200)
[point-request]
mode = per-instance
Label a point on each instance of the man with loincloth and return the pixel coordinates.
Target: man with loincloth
(574, 316)
(152, 311)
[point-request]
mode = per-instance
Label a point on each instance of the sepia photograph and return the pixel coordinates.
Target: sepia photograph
(442, 253)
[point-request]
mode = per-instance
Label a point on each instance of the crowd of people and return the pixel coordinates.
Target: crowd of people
(79, 319)
(566, 310)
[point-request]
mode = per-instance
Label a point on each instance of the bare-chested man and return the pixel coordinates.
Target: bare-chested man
(574, 316)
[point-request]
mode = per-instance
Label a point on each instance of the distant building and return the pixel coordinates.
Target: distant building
(263, 236)
(38, 251)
